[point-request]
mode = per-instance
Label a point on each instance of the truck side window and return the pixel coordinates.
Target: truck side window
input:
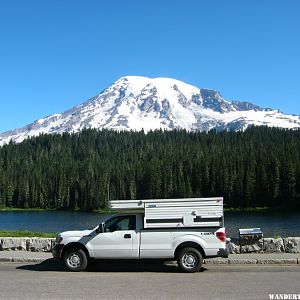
(120, 223)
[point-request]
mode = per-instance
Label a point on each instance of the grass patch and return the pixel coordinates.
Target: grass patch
(25, 233)
(36, 209)
(22, 209)
(249, 209)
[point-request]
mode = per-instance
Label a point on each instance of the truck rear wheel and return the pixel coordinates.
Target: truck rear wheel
(189, 260)
(75, 260)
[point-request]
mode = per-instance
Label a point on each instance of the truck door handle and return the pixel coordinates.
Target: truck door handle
(127, 236)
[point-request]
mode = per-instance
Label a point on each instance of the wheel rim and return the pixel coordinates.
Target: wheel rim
(189, 260)
(74, 260)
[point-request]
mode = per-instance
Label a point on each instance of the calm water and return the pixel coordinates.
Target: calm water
(271, 223)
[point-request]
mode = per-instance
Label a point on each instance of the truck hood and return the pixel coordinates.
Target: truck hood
(77, 233)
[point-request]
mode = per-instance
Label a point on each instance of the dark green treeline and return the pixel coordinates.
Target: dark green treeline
(258, 167)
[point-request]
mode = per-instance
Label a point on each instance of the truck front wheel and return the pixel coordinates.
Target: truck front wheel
(75, 260)
(189, 260)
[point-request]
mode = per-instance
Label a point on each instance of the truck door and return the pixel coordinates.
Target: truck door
(120, 239)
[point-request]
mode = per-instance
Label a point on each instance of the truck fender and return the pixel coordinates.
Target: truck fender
(77, 242)
(189, 240)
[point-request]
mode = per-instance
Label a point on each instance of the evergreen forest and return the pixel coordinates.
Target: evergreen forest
(259, 167)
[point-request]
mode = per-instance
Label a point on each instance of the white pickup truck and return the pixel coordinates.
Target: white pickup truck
(187, 230)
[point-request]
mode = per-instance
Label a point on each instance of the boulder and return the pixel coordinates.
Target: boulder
(233, 246)
(13, 243)
(39, 244)
(251, 243)
(272, 245)
(30, 244)
(257, 247)
(292, 244)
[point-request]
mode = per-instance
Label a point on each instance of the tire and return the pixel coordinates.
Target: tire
(75, 260)
(190, 260)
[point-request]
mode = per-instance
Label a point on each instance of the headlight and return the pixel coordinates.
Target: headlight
(58, 239)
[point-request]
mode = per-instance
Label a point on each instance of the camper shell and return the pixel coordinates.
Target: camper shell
(170, 213)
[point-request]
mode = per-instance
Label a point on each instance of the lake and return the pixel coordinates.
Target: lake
(271, 223)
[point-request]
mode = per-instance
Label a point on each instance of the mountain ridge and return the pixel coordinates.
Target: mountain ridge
(136, 103)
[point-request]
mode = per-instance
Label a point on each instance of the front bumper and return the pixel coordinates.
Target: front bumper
(57, 251)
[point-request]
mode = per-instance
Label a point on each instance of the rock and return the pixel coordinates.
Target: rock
(258, 247)
(216, 261)
(13, 244)
(233, 246)
(242, 261)
(27, 259)
(278, 261)
(5, 259)
(30, 244)
(251, 243)
(292, 244)
(273, 245)
(39, 244)
(52, 243)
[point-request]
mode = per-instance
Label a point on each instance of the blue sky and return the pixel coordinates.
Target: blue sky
(57, 54)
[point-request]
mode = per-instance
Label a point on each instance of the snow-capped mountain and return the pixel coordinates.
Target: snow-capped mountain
(136, 103)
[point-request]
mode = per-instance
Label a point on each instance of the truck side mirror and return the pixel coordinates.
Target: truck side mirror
(100, 228)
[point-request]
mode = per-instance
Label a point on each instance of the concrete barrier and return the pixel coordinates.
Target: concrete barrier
(268, 245)
(34, 244)
(292, 244)
(11, 243)
(275, 245)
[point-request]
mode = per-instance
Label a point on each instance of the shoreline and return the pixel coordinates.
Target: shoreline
(107, 211)
(26, 233)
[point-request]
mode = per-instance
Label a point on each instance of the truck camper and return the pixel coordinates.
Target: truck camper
(187, 230)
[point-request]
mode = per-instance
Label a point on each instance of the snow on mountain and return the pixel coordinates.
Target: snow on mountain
(136, 103)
